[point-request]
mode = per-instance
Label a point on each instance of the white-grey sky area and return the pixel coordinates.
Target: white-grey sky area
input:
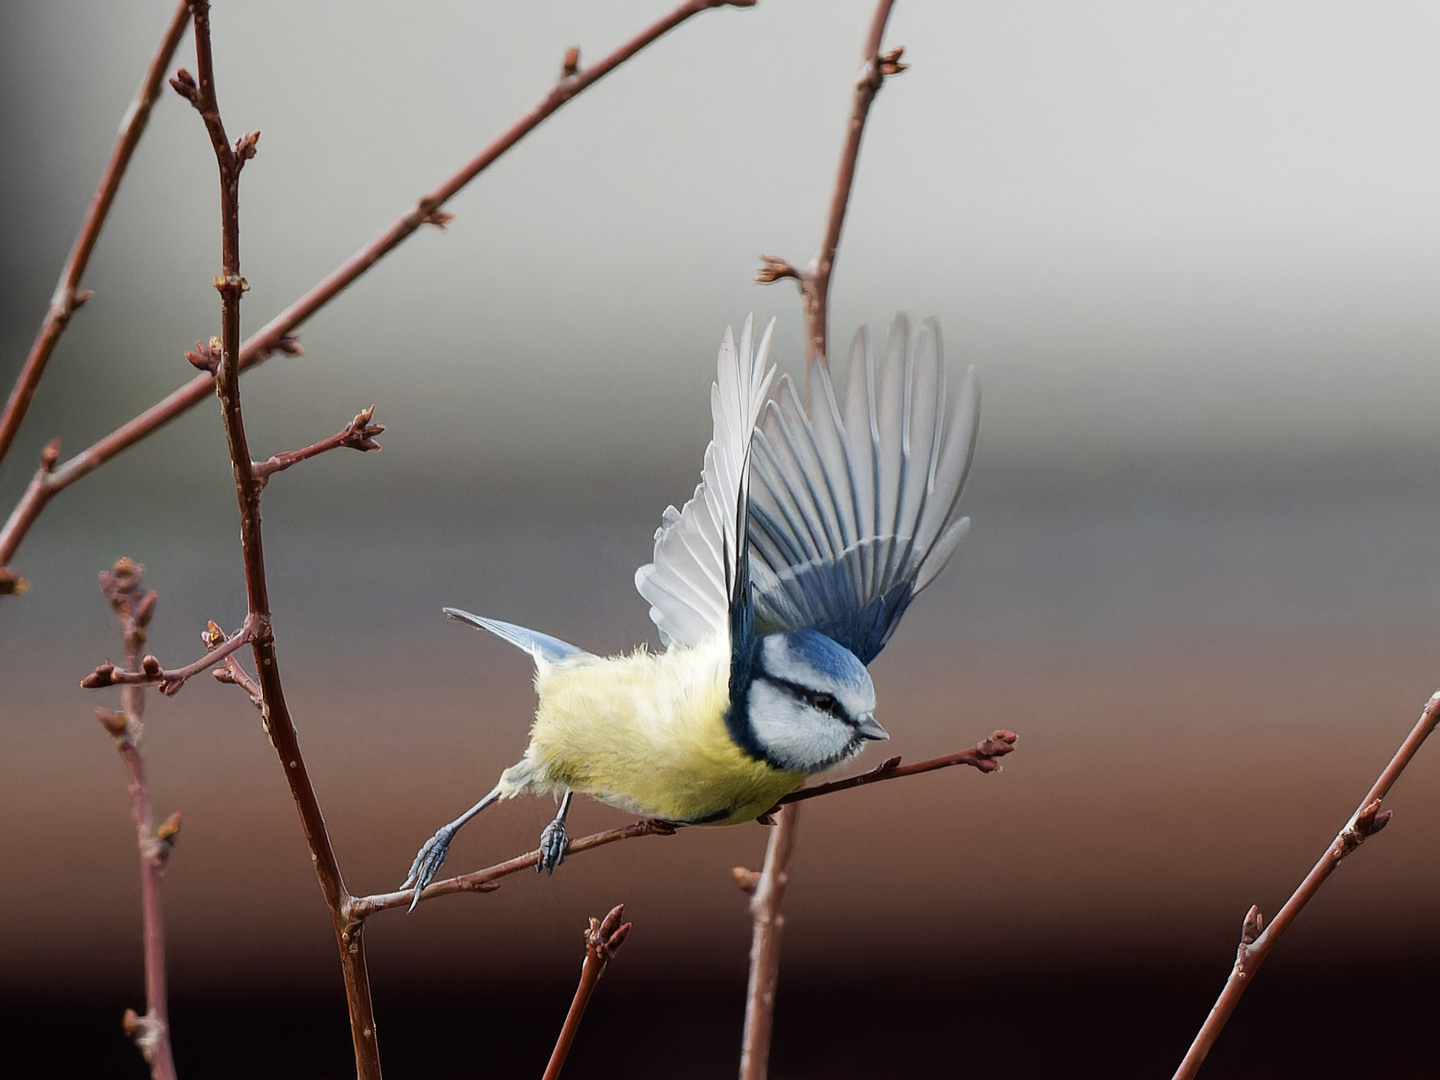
(1156, 229)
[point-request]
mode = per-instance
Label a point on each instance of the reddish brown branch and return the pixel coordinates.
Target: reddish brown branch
(134, 608)
(602, 942)
(275, 336)
(170, 681)
(983, 755)
(482, 881)
(767, 913)
(1255, 943)
(231, 672)
(814, 280)
(360, 435)
(67, 298)
(248, 485)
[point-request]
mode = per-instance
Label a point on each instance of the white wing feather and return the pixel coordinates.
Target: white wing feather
(687, 584)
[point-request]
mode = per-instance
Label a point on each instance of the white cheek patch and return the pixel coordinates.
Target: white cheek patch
(856, 694)
(795, 735)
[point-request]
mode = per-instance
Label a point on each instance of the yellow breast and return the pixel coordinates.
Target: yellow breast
(646, 733)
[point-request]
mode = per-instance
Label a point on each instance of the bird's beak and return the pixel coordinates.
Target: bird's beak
(867, 728)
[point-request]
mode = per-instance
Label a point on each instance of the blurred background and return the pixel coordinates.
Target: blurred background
(1192, 250)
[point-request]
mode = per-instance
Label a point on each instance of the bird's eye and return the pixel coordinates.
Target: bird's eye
(823, 701)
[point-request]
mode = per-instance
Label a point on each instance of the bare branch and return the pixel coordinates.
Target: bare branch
(134, 608)
(767, 913)
(169, 682)
(67, 298)
(983, 756)
(359, 435)
(277, 334)
(602, 942)
(1255, 943)
(200, 90)
(980, 757)
(814, 281)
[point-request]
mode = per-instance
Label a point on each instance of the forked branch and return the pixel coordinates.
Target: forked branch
(277, 335)
(814, 280)
(1255, 942)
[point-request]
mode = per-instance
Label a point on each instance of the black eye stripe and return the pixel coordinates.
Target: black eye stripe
(818, 699)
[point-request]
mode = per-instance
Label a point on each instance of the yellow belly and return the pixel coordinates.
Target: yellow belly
(646, 733)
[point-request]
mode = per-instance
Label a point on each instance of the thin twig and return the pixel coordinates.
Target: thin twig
(169, 682)
(275, 336)
(767, 913)
(814, 280)
(359, 435)
(483, 881)
(602, 942)
(983, 756)
(231, 286)
(1255, 944)
(134, 608)
(67, 298)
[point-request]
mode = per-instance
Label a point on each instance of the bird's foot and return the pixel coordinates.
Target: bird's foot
(553, 845)
(427, 863)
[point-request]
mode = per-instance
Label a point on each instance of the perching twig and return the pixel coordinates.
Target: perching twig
(68, 298)
(134, 609)
(602, 942)
(814, 280)
(981, 756)
(1255, 943)
(276, 335)
(200, 91)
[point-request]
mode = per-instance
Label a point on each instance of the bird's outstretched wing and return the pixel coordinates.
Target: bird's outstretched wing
(853, 507)
(697, 565)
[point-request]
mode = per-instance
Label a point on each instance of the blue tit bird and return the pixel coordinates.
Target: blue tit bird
(814, 526)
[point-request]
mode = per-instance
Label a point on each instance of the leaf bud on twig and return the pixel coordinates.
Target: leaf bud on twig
(184, 84)
(113, 722)
(99, 677)
(571, 65)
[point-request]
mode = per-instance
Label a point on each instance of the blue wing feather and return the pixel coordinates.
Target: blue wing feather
(854, 509)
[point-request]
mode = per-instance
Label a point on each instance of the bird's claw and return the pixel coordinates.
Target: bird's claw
(427, 863)
(553, 844)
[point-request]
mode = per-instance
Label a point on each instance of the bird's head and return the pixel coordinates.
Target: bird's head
(811, 703)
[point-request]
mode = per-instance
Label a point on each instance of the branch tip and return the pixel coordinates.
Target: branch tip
(773, 269)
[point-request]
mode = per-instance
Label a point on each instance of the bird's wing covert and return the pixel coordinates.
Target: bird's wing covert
(853, 505)
(696, 563)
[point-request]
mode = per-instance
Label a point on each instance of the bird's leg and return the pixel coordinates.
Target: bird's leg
(427, 861)
(553, 840)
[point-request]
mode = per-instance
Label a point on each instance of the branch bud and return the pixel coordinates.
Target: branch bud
(571, 65)
(50, 455)
(151, 666)
(890, 62)
(169, 829)
(204, 356)
(113, 722)
(11, 583)
(245, 146)
(145, 610)
(745, 880)
(290, 346)
(99, 677)
(184, 84)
